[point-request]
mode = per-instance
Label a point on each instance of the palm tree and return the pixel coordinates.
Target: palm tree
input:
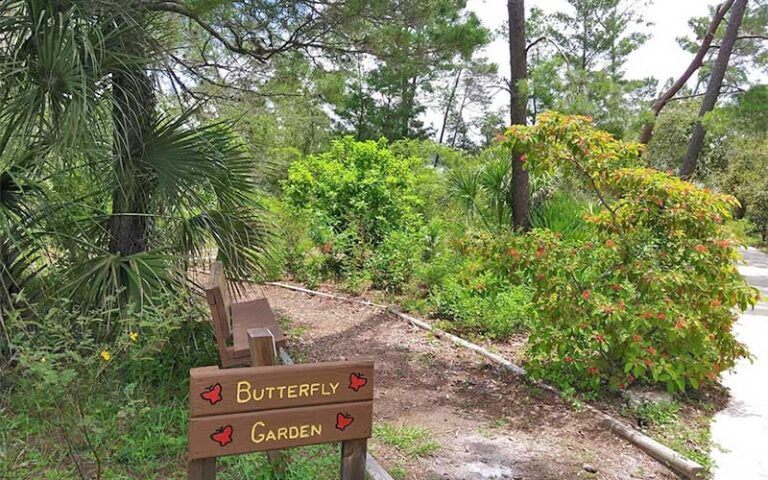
(126, 195)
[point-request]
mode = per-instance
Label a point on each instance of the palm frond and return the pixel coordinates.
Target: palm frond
(109, 278)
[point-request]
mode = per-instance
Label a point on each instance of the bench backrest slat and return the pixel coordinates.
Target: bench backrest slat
(217, 294)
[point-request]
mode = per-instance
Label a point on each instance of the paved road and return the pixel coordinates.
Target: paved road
(741, 430)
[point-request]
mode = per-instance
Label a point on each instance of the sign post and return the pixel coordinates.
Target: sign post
(261, 343)
(273, 407)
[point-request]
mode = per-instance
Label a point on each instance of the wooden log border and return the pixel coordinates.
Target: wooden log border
(679, 464)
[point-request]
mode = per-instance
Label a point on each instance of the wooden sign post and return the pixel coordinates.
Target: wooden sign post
(273, 407)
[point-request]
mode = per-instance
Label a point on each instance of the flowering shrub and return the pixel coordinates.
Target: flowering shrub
(652, 297)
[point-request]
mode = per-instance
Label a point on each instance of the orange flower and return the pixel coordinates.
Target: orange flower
(680, 324)
(592, 371)
(586, 294)
(652, 350)
(616, 287)
(599, 338)
(648, 362)
(513, 253)
(661, 316)
(637, 338)
(568, 359)
(723, 243)
(610, 243)
(715, 303)
(700, 248)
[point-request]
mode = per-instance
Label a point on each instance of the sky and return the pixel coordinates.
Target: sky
(661, 57)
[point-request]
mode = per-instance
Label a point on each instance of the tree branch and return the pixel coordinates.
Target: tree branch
(534, 43)
(259, 54)
(697, 62)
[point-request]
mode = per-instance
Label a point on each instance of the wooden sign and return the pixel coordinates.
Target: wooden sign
(276, 429)
(266, 408)
(213, 391)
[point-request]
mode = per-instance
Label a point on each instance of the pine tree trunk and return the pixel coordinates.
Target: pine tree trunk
(132, 116)
(713, 89)
(520, 191)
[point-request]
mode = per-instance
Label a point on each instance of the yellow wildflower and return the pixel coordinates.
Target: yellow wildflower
(106, 355)
(134, 336)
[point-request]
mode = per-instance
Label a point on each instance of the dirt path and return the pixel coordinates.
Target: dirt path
(488, 425)
(740, 431)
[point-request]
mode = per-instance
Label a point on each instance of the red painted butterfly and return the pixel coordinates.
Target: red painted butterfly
(213, 394)
(343, 421)
(223, 435)
(357, 381)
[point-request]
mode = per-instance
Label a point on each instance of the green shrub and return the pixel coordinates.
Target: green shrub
(653, 297)
(395, 259)
(486, 306)
(356, 183)
(757, 212)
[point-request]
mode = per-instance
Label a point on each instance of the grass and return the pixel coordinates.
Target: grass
(409, 441)
(658, 414)
(149, 443)
(687, 436)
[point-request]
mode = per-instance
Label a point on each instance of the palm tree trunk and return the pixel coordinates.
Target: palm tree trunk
(520, 191)
(133, 111)
(713, 88)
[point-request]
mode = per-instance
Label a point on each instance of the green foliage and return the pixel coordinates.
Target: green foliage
(583, 74)
(488, 306)
(564, 214)
(421, 40)
(356, 184)
(651, 297)
(674, 127)
(395, 259)
(656, 413)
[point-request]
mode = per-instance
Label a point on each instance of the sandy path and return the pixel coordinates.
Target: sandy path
(489, 425)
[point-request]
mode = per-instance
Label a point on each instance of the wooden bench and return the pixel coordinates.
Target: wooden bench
(232, 320)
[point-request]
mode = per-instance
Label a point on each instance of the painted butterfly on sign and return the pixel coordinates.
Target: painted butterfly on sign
(343, 421)
(357, 381)
(213, 394)
(222, 436)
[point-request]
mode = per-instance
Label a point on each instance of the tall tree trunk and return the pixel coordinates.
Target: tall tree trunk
(460, 116)
(713, 88)
(697, 62)
(520, 191)
(407, 105)
(132, 116)
(449, 105)
(446, 113)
